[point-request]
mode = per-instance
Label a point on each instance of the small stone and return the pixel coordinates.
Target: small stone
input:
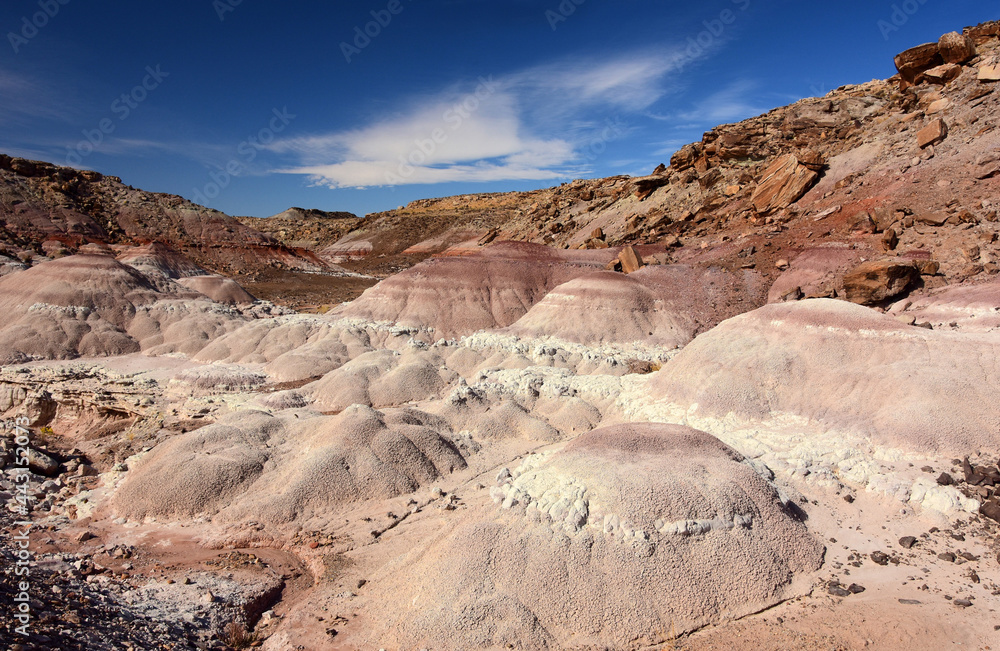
(947, 557)
(881, 558)
(939, 106)
(962, 603)
(909, 602)
(945, 479)
(932, 218)
(854, 588)
(84, 536)
(907, 542)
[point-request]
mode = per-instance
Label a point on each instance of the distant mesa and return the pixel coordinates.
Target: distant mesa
(311, 213)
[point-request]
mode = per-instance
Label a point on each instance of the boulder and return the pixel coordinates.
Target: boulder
(782, 184)
(41, 463)
(932, 134)
(686, 157)
(710, 178)
(912, 63)
(648, 185)
(989, 73)
(984, 32)
(931, 218)
(488, 237)
(956, 48)
(812, 159)
(943, 74)
(876, 281)
(631, 260)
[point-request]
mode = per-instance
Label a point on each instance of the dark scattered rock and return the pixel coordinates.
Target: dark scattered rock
(854, 588)
(907, 542)
(881, 558)
(962, 603)
(967, 469)
(909, 602)
(838, 590)
(945, 479)
(991, 509)
(947, 556)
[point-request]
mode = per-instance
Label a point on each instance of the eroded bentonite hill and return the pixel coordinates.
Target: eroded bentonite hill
(749, 401)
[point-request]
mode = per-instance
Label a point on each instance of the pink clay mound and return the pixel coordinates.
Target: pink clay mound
(277, 470)
(624, 535)
(848, 367)
(460, 295)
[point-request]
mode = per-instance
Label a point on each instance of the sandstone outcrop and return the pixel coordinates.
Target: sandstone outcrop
(782, 184)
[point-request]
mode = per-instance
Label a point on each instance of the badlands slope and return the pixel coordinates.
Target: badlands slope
(768, 423)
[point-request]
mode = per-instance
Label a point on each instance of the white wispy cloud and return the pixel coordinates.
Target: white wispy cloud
(534, 124)
(735, 102)
(24, 100)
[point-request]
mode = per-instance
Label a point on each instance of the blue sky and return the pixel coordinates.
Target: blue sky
(251, 106)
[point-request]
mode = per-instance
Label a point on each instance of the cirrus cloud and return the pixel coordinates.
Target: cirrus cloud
(533, 124)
